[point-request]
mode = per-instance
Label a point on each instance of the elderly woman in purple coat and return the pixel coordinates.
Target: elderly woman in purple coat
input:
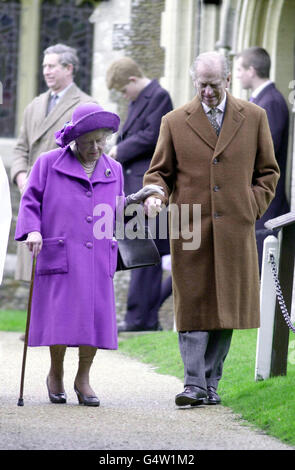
(73, 298)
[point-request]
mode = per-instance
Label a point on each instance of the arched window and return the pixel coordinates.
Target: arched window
(67, 22)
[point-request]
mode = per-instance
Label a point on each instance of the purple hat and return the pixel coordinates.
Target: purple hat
(86, 117)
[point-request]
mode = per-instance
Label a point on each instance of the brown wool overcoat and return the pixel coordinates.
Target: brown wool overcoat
(233, 177)
(36, 137)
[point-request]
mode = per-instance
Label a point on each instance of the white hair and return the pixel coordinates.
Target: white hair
(211, 59)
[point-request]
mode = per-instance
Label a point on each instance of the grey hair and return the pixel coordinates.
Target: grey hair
(210, 58)
(67, 55)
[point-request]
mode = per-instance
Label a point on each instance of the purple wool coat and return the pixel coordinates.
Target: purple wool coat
(73, 298)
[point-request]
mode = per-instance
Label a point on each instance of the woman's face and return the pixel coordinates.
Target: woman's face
(91, 145)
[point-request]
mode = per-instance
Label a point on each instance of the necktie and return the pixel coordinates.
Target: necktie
(51, 103)
(212, 118)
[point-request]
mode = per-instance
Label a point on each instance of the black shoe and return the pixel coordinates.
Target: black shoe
(123, 326)
(212, 397)
(56, 397)
(86, 400)
(191, 395)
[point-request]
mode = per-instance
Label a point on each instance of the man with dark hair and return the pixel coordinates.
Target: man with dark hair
(45, 115)
(148, 102)
(253, 70)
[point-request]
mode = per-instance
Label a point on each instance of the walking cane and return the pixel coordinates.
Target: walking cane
(21, 400)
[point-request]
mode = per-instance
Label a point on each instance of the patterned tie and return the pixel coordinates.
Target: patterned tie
(51, 103)
(212, 118)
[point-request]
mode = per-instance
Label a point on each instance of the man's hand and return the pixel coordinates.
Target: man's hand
(34, 242)
(113, 152)
(152, 206)
(21, 179)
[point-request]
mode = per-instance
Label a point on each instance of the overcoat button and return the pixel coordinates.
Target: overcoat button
(108, 172)
(88, 193)
(89, 245)
(216, 215)
(60, 242)
(215, 161)
(216, 188)
(89, 218)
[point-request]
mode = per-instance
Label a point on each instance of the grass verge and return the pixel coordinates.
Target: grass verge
(267, 404)
(13, 320)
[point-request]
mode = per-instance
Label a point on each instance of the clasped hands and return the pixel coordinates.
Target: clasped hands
(152, 204)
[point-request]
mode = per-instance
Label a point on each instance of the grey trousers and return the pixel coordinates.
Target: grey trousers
(203, 354)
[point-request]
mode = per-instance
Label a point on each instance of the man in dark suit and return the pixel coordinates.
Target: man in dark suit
(253, 67)
(148, 102)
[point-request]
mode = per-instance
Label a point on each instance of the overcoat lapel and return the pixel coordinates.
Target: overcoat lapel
(198, 121)
(136, 108)
(67, 101)
(69, 165)
(233, 119)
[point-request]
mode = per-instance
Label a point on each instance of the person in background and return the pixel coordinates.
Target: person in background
(253, 70)
(5, 216)
(215, 151)
(45, 115)
(148, 102)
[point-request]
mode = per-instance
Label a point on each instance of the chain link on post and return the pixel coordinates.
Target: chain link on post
(279, 293)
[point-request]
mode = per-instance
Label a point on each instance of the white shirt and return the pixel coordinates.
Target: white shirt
(61, 93)
(220, 107)
(259, 89)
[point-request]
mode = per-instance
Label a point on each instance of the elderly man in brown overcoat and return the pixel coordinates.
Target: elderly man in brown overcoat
(45, 115)
(215, 151)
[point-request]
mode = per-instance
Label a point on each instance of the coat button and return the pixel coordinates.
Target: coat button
(89, 219)
(88, 193)
(216, 160)
(216, 188)
(216, 215)
(89, 245)
(60, 242)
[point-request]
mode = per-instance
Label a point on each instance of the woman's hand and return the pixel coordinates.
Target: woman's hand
(143, 194)
(34, 242)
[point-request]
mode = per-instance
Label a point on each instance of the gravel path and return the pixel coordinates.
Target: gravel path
(137, 409)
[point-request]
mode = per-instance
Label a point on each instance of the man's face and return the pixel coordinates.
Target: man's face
(244, 74)
(210, 84)
(131, 90)
(57, 76)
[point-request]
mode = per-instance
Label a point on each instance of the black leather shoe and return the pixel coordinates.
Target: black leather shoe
(86, 400)
(191, 395)
(124, 327)
(212, 397)
(56, 397)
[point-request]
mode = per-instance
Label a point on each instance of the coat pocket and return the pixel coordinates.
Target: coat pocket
(113, 256)
(53, 257)
(253, 204)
